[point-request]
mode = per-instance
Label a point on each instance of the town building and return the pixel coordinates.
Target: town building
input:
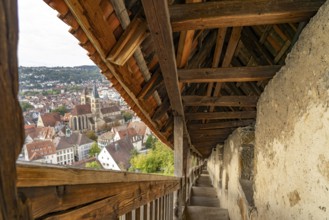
(90, 115)
(116, 156)
(40, 151)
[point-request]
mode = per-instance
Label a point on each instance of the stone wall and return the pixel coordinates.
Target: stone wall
(292, 131)
(231, 170)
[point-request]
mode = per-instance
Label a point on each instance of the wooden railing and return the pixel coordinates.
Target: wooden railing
(55, 192)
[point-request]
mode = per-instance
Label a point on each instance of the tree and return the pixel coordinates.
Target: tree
(150, 142)
(91, 135)
(160, 159)
(94, 150)
(94, 165)
(26, 106)
(127, 115)
(61, 110)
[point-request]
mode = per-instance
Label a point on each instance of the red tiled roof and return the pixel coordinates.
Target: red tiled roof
(40, 132)
(50, 119)
(81, 110)
(39, 149)
(139, 126)
(131, 132)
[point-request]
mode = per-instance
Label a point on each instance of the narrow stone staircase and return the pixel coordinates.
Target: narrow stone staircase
(204, 204)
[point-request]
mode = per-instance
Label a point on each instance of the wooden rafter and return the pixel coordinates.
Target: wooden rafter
(224, 124)
(221, 115)
(239, 101)
(240, 13)
(161, 32)
(229, 74)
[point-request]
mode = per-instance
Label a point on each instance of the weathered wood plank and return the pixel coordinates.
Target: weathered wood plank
(221, 115)
(149, 84)
(129, 41)
(12, 133)
(229, 74)
(33, 175)
(178, 163)
(224, 124)
(111, 207)
(161, 32)
(160, 28)
(240, 13)
(60, 198)
(239, 101)
(222, 132)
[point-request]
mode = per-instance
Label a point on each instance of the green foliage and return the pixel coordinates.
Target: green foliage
(160, 159)
(91, 135)
(150, 142)
(127, 115)
(94, 150)
(61, 110)
(26, 106)
(94, 165)
(50, 92)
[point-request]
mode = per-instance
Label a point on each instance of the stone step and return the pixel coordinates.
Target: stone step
(204, 191)
(203, 182)
(204, 201)
(206, 213)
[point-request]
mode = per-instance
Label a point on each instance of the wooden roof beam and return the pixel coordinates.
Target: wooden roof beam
(224, 124)
(238, 101)
(228, 74)
(221, 115)
(240, 13)
(161, 32)
(129, 41)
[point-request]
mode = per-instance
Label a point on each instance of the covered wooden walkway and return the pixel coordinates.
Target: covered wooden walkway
(192, 72)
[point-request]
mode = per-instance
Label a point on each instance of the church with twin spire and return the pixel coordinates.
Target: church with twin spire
(91, 115)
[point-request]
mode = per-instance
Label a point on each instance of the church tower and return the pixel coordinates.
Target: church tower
(95, 105)
(83, 97)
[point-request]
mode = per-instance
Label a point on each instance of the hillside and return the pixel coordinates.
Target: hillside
(46, 77)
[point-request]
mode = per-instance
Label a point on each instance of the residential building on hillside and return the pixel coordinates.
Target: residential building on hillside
(39, 133)
(49, 119)
(81, 144)
(105, 139)
(64, 151)
(116, 156)
(40, 151)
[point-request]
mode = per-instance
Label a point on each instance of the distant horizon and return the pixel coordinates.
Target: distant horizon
(61, 66)
(44, 39)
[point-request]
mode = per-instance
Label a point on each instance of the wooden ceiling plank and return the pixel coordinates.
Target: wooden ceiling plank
(221, 115)
(229, 74)
(239, 101)
(129, 41)
(149, 84)
(185, 44)
(240, 13)
(161, 32)
(224, 124)
(221, 33)
(233, 42)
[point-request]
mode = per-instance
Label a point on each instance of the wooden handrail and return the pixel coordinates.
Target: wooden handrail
(33, 175)
(70, 193)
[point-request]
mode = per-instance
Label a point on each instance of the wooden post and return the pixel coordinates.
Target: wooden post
(179, 163)
(12, 133)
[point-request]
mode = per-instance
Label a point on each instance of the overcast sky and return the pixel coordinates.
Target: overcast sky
(44, 39)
